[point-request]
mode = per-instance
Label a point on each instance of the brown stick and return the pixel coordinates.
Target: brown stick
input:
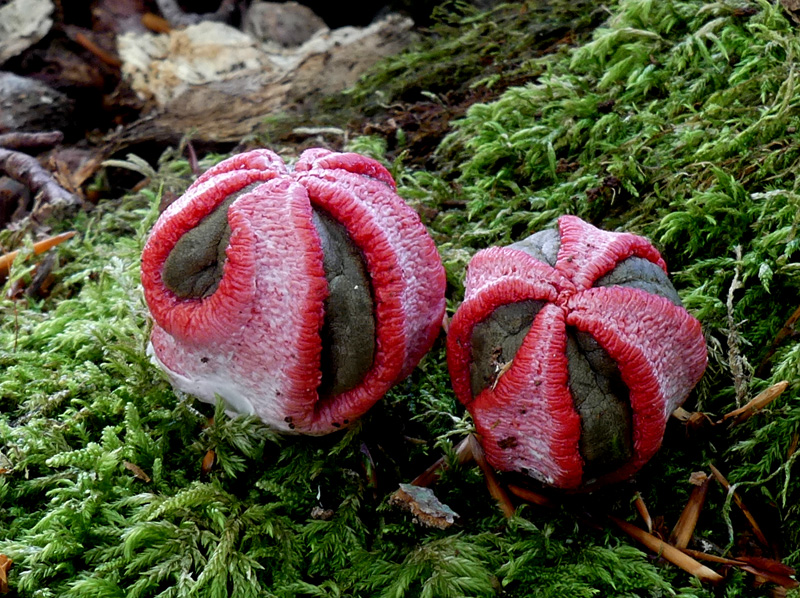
(761, 400)
(684, 528)
(29, 172)
(38, 247)
(24, 141)
(739, 503)
(670, 553)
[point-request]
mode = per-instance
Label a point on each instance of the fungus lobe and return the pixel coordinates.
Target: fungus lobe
(299, 295)
(571, 350)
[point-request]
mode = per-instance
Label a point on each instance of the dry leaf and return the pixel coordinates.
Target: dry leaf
(136, 471)
(5, 565)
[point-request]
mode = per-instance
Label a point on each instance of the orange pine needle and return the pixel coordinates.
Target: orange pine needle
(670, 553)
(463, 454)
(495, 489)
(641, 508)
(739, 503)
(761, 400)
(38, 247)
(531, 496)
(684, 528)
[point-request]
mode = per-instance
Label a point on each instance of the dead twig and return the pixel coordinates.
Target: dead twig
(670, 553)
(739, 503)
(761, 400)
(30, 141)
(29, 172)
(684, 528)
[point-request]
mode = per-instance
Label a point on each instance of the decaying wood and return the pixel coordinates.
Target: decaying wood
(763, 399)
(739, 503)
(424, 506)
(670, 553)
(684, 528)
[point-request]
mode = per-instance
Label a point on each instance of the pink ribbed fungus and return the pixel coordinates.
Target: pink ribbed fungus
(571, 350)
(300, 296)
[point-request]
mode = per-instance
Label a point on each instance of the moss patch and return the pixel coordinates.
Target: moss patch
(676, 119)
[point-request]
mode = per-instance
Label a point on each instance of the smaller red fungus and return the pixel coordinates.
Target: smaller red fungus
(300, 296)
(571, 350)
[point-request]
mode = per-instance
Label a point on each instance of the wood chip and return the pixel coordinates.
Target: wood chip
(670, 553)
(424, 506)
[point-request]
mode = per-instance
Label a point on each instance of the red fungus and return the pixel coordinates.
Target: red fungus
(571, 350)
(300, 296)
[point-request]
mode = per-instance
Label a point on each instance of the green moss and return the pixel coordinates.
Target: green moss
(677, 120)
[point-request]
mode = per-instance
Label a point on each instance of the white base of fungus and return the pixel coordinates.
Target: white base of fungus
(207, 389)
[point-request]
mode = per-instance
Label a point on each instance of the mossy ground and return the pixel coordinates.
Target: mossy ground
(673, 119)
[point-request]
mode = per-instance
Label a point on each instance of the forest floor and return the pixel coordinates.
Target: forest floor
(676, 120)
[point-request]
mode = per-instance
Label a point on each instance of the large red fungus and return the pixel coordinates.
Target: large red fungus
(298, 295)
(571, 350)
